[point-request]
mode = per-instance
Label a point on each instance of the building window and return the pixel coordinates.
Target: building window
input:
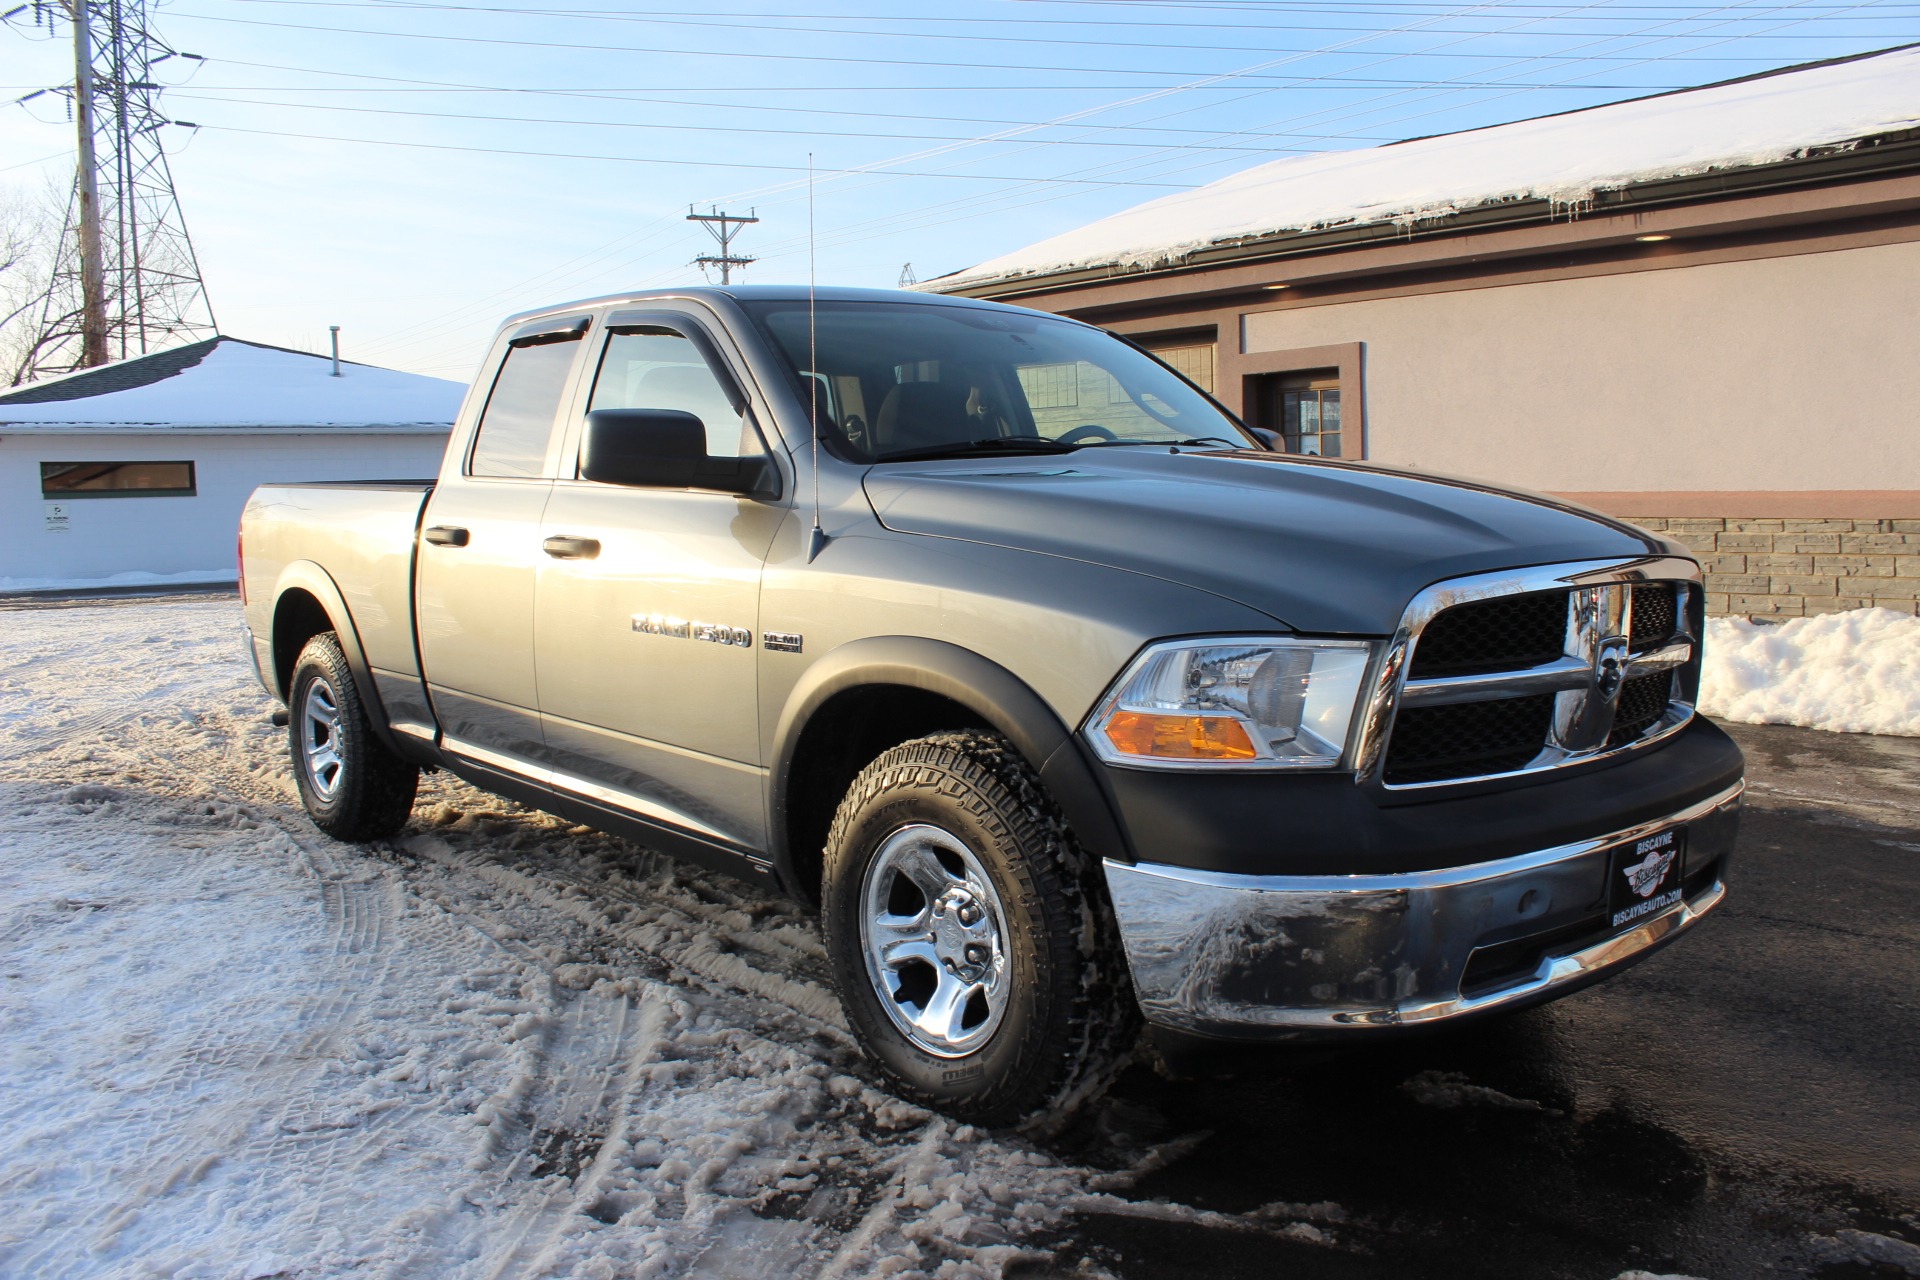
(1304, 408)
(64, 480)
(1191, 355)
(1050, 386)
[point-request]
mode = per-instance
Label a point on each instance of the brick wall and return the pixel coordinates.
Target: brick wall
(1787, 568)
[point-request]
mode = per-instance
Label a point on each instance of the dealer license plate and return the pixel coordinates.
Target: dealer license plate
(1643, 877)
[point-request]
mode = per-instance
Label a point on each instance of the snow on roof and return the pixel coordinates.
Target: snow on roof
(1565, 158)
(238, 384)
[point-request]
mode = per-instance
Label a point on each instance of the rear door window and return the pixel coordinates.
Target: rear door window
(523, 407)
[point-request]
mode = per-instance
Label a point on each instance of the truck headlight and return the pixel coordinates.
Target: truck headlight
(1254, 703)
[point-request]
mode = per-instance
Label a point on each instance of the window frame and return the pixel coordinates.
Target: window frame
(1348, 359)
(694, 330)
(88, 495)
(544, 332)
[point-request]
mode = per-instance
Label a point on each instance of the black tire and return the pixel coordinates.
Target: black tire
(1067, 1018)
(361, 791)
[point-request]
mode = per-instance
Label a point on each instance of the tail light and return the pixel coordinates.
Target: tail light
(240, 563)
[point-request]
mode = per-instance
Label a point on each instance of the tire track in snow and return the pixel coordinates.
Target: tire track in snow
(664, 932)
(690, 1113)
(181, 1142)
(579, 1129)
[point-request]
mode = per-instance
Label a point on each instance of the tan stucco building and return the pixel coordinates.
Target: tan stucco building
(1699, 310)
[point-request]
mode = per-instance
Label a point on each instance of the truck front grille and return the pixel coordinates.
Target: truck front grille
(1642, 702)
(1514, 672)
(1655, 616)
(1431, 744)
(1501, 634)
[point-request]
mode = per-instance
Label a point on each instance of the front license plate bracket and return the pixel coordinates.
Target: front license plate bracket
(1643, 877)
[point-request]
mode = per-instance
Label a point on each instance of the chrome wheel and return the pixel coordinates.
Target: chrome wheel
(320, 739)
(934, 935)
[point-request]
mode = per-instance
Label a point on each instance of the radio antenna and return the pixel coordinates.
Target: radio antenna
(817, 539)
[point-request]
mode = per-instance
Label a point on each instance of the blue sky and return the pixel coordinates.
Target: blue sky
(391, 166)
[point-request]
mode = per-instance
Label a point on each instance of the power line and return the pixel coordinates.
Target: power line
(686, 19)
(782, 57)
(1027, 188)
(697, 164)
(998, 200)
(1612, 13)
(621, 95)
(685, 128)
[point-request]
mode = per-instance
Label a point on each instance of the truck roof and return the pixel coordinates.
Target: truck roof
(759, 293)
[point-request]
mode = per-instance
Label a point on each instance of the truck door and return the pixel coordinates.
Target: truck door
(480, 549)
(646, 620)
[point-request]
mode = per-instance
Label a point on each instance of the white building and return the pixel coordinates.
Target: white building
(135, 473)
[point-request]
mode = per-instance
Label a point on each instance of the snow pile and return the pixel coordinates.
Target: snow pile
(240, 384)
(1853, 672)
(1565, 158)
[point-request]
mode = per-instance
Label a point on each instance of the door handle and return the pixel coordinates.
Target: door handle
(448, 535)
(567, 547)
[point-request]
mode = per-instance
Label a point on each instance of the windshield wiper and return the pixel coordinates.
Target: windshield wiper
(1231, 444)
(992, 444)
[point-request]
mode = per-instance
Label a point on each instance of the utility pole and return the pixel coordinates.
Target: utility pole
(723, 227)
(93, 294)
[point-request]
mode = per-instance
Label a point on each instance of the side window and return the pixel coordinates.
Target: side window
(518, 420)
(649, 367)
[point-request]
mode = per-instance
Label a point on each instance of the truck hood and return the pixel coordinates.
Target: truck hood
(1321, 546)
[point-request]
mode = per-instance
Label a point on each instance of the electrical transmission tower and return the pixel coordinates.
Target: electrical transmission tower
(724, 227)
(126, 280)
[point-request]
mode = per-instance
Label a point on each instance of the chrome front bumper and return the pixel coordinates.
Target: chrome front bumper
(1271, 957)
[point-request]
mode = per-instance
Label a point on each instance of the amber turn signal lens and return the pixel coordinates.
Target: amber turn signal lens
(1140, 733)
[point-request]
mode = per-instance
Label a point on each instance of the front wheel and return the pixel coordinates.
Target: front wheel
(970, 935)
(353, 786)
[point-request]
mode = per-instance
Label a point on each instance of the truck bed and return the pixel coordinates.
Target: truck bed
(358, 536)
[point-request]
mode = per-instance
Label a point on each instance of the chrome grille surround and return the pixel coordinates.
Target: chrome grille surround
(1585, 680)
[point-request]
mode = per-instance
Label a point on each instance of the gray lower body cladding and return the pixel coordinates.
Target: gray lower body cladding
(1287, 957)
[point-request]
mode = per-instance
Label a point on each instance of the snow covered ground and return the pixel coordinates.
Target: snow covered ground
(500, 1046)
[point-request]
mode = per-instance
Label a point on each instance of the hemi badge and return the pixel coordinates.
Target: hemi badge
(781, 641)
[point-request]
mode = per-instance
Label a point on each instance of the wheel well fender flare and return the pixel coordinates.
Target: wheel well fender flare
(308, 577)
(982, 686)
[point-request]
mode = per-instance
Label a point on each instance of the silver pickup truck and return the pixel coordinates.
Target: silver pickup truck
(1064, 696)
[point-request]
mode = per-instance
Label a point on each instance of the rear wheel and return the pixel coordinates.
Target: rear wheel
(352, 785)
(970, 935)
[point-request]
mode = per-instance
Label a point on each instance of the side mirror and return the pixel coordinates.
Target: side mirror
(664, 449)
(1271, 439)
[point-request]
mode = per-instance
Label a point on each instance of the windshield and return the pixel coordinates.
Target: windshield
(900, 380)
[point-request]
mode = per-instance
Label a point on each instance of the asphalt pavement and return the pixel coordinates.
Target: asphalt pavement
(1745, 1103)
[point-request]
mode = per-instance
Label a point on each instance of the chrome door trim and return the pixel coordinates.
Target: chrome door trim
(640, 806)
